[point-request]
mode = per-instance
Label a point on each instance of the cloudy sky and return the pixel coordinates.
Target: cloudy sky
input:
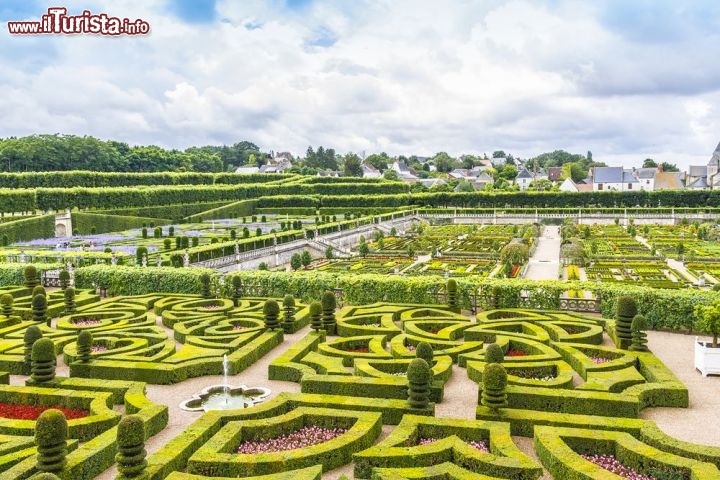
(626, 79)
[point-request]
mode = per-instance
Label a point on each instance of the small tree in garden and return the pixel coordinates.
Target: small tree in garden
(6, 301)
(288, 313)
(194, 242)
(31, 276)
(167, 243)
(69, 297)
(263, 266)
(494, 354)
(51, 432)
(419, 376)
(38, 290)
(233, 234)
(131, 447)
(84, 345)
(329, 252)
(639, 337)
(64, 279)
(271, 312)
(32, 335)
(42, 361)
(452, 294)
(626, 311)
(363, 249)
(424, 350)
(263, 219)
(316, 322)
(157, 233)
(205, 285)
(494, 394)
(171, 231)
(236, 290)
(328, 312)
(5, 241)
(258, 232)
(708, 320)
(178, 242)
(411, 252)
(39, 308)
(305, 258)
(295, 261)
(139, 254)
(246, 232)
(144, 232)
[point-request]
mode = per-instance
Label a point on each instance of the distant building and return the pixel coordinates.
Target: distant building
(613, 179)
(700, 177)
(329, 173)
(370, 172)
(525, 177)
(432, 182)
(403, 171)
(555, 173)
(246, 170)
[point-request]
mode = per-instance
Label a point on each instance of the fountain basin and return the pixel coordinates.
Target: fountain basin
(225, 397)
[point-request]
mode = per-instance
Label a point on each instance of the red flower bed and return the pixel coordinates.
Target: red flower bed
(514, 272)
(305, 437)
(516, 353)
(31, 412)
(358, 349)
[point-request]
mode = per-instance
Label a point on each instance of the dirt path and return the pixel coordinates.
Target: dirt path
(545, 262)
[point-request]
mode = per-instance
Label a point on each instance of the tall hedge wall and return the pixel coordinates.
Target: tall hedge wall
(84, 222)
(243, 208)
(176, 212)
(29, 229)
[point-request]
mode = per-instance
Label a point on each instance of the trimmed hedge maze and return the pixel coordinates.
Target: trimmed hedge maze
(371, 380)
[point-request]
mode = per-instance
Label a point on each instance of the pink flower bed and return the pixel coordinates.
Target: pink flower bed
(238, 327)
(599, 360)
(211, 307)
(99, 348)
(305, 437)
(612, 464)
(482, 446)
(86, 322)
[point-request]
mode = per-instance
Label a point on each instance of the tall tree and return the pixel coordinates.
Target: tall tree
(352, 166)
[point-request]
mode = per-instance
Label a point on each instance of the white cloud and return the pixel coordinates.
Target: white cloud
(407, 77)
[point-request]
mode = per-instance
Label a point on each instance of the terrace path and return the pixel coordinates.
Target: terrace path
(545, 262)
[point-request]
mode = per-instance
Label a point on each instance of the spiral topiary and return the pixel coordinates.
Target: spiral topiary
(424, 350)
(639, 337)
(236, 290)
(64, 279)
(131, 447)
(494, 393)
(205, 285)
(452, 295)
(494, 353)
(626, 311)
(6, 301)
(51, 432)
(328, 312)
(39, 308)
(288, 313)
(42, 360)
(38, 290)
(84, 345)
(419, 377)
(316, 322)
(32, 335)
(69, 295)
(271, 312)
(31, 276)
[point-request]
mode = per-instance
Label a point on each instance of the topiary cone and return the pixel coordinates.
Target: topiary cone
(494, 354)
(625, 312)
(452, 295)
(69, 296)
(51, 439)
(42, 361)
(639, 337)
(38, 290)
(328, 312)
(288, 313)
(39, 308)
(419, 377)
(7, 300)
(131, 447)
(32, 334)
(316, 322)
(236, 290)
(271, 312)
(205, 285)
(494, 394)
(84, 346)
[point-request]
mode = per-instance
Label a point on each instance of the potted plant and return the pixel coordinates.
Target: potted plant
(707, 354)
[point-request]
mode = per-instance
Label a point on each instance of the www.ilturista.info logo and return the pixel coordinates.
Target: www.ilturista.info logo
(57, 21)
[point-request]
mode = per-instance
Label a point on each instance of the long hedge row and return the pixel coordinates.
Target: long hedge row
(177, 211)
(28, 229)
(126, 179)
(83, 223)
(243, 208)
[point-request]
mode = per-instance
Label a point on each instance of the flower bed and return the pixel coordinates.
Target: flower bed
(612, 464)
(86, 322)
(32, 412)
(516, 352)
(304, 437)
(480, 445)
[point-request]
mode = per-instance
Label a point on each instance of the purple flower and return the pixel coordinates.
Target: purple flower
(612, 464)
(304, 437)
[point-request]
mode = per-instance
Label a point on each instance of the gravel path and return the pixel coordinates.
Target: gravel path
(545, 262)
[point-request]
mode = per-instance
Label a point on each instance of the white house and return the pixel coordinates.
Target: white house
(403, 171)
(370, 172)
(613, 179)
(646, 178)
(247, 170)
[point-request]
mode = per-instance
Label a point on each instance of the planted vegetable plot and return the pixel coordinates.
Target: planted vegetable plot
(650, 273)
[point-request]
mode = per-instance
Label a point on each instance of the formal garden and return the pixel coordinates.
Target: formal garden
(354, 330)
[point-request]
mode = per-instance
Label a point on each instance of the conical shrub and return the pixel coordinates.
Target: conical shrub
(271, 312)
(32, 335)
(51, 433)
(6, 304)
(494, 394)
(69, 296)
(64, 279)
(639, 337)
(84, 346)
(131, 447)
(288, 313)
(626, 311)
(39, 308)
(43, 361)
(328, 312)
(236, 290)
(452, 295)
(316, 322)
(419, 377)
(205, 285)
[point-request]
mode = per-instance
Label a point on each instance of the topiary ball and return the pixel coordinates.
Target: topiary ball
(639, 323)
(288, 301)
(328, 301)
(494, 376)
(418, 371)
(6, 299)
(38, 290)
(424, 350)
(626, 307)
(69, 294)
(236, 282)
(452, 285)
(494, 354)
(51, 427)
(315, 308)
(271, 307)
(39, 301)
